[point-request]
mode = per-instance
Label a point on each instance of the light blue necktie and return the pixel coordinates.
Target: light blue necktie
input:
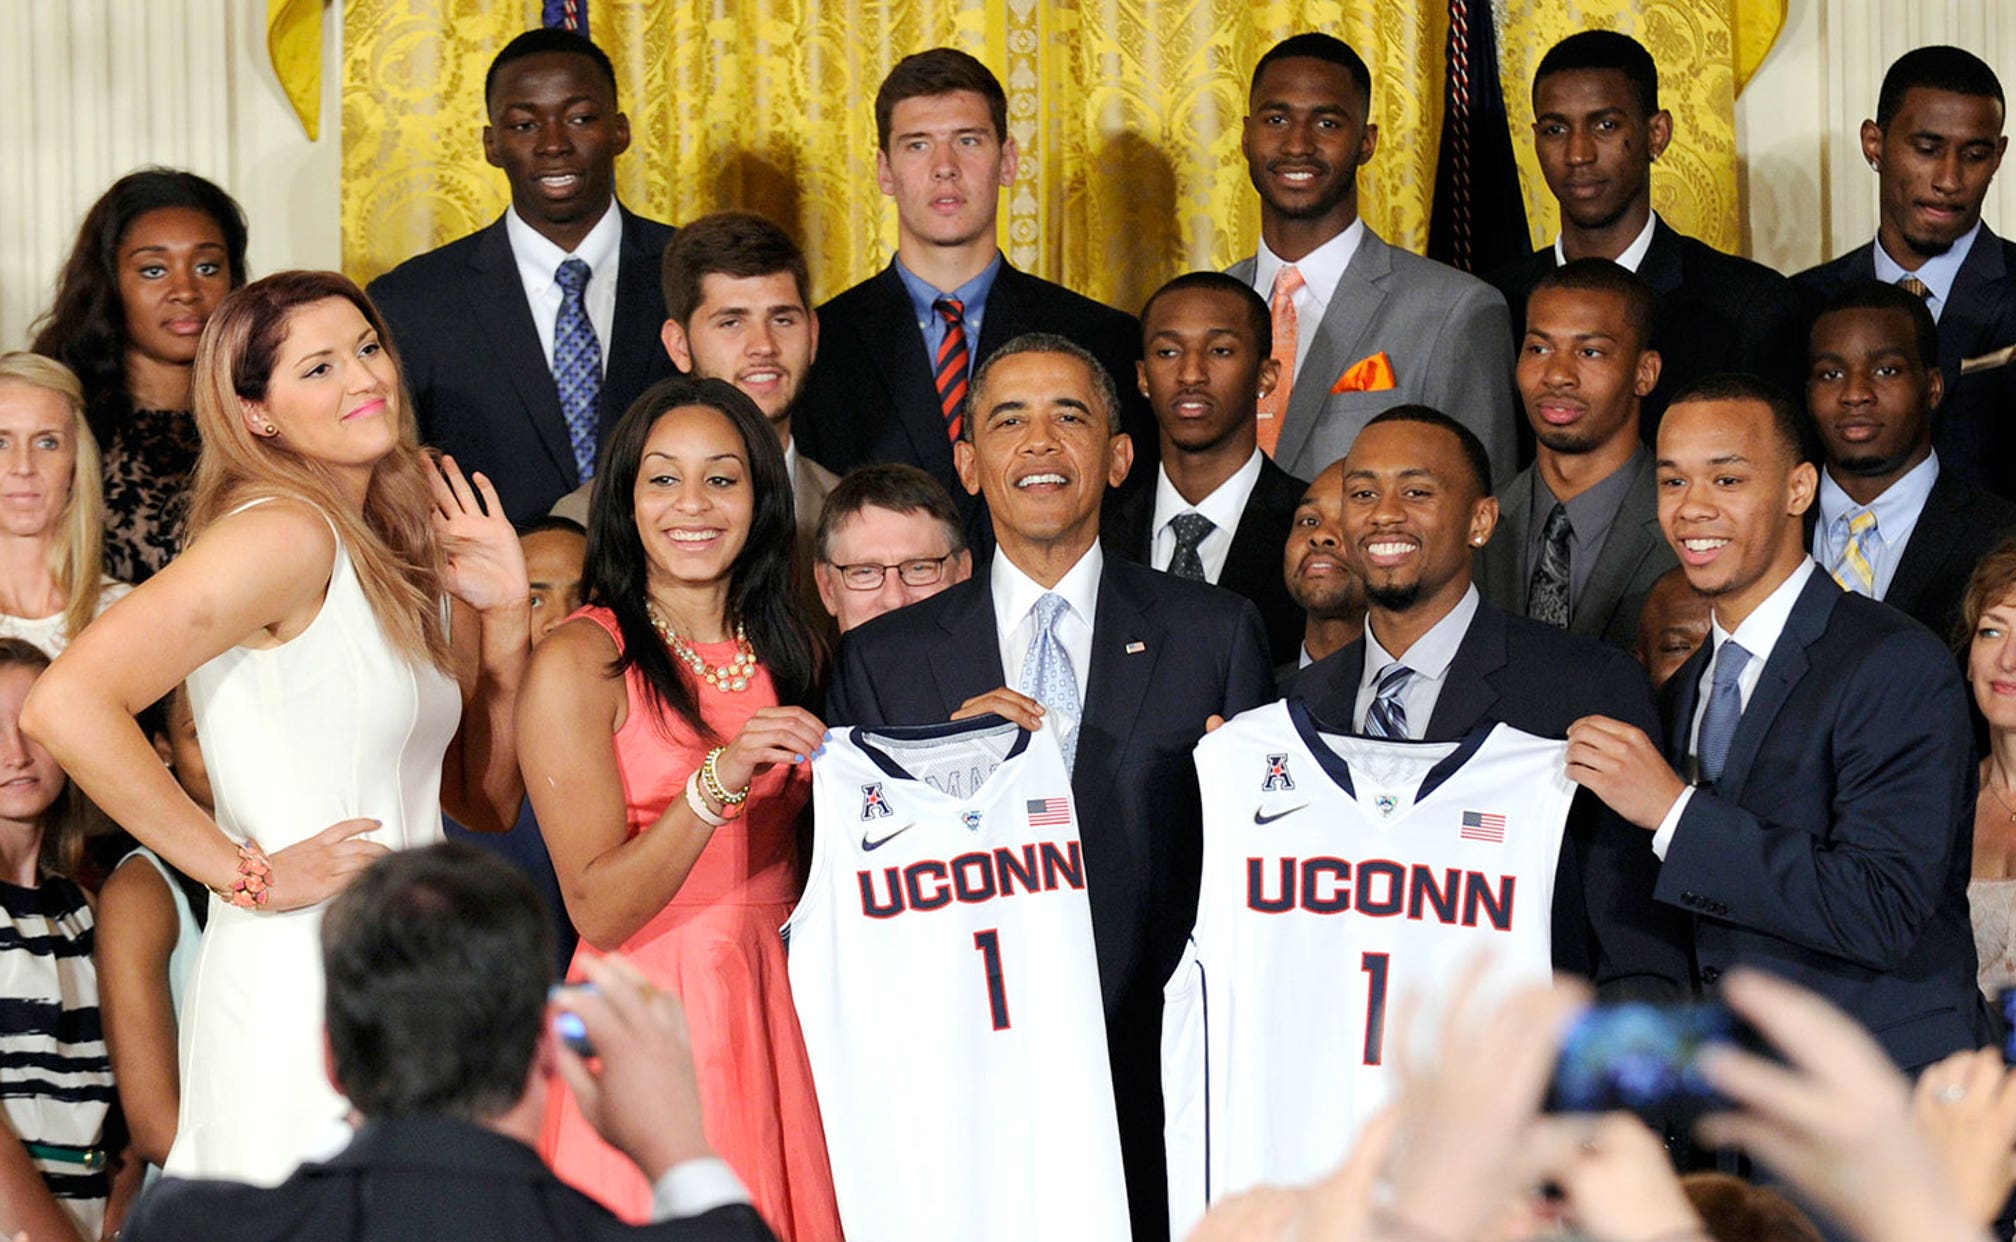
(1725, 708)
(577, 365)
(1387, 717)
(1047, 675)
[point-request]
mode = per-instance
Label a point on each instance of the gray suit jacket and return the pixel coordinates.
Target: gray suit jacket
(1447, 334)
(1634, 556)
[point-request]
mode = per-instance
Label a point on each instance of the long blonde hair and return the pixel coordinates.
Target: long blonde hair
(391, 543)
(77, 554)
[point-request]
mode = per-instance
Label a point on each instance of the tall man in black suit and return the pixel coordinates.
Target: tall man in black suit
(1219, 508)
(438, 961)
(899, 348)
(1578, 542)
(1935, 145)
(1597, 128)
(1890, 519)
(1150, 658)
(524, 342)
(1416, 507)
(1829, 835)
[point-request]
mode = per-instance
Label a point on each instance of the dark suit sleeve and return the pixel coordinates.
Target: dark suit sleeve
(1249, 673)
(1863, 887)
(850, 698)
(1626, 943)
(736, 1222)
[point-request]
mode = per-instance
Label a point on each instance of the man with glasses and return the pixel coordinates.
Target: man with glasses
(888, 536)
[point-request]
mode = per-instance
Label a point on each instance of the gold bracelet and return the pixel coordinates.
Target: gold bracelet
(710, 777)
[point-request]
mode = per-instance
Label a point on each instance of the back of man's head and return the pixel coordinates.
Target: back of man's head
(437, 962)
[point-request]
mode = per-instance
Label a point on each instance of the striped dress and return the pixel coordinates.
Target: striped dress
(55, 1077)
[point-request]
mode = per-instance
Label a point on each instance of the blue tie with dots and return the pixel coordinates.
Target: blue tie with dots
(1047, 675)
(577, 365)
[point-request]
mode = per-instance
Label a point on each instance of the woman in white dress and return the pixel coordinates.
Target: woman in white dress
(342, 707)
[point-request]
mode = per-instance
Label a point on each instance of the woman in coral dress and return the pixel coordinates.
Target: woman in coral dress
(667, 767)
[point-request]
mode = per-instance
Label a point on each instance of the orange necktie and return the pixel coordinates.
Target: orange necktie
(1274, 406)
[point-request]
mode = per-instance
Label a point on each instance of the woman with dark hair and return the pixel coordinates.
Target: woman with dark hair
(156, 254)
(352, 624)
(55, 1077)
(668, 772)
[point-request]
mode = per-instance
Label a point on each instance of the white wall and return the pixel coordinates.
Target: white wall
(97, 88)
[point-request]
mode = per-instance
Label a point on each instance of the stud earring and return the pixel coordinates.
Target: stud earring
(268, 429)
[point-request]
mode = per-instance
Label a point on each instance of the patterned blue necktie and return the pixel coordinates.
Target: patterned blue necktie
(577, 365)
(1047, 675)
(1191, 529)
(1387, 717)
(1725, 708)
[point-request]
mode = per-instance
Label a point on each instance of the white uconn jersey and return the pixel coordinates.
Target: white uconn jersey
(1339, 874)
(945, 979)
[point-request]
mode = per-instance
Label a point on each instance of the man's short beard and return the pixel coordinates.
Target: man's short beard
(1572, 442)
(1931, 247)
(1867, 467)
(1394, 598)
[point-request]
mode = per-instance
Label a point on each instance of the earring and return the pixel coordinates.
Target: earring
(268, 429)
(1873, 167)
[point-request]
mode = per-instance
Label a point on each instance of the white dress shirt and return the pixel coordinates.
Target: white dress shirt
(1758, 634)
(1896, 511)
(1321, 269)
(1429, 657)
(1224, 506)
(1634, 254)
(539, 263)
(693, 1187)
(1936, 273)
(1015, 596)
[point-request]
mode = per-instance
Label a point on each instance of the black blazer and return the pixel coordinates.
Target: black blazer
(479, 380)
(1252, 563)
(1634, 555)
(1202, 652)
(415, 1179)
(1959, 525)
(1540, 680)
(870, 396)
(1972, 428)
(1836, 848)
(1717, 312)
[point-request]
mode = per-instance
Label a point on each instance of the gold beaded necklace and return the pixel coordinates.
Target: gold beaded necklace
(732, 677)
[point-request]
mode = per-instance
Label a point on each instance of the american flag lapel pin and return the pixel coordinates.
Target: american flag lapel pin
(1136, 648)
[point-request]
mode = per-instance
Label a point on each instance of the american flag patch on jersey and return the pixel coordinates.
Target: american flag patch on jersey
(1049, 812)
(1483, 826)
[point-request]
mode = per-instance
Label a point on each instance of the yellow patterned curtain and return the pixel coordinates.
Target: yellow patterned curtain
(1127, 112)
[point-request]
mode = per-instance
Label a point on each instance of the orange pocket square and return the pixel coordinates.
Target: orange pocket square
(1374, 374)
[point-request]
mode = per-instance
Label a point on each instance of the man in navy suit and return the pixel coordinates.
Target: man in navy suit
(524, 342)
(897, 350)
(1417, 506)
(1823, 827)
(1935, 145)
(1218, 510)
(1891, 519)
(1132, 663)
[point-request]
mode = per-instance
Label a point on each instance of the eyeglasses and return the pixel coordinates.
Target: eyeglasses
(923, 571)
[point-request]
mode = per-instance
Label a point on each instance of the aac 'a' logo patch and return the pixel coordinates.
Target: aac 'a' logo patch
(873, 804)
(1277, 775)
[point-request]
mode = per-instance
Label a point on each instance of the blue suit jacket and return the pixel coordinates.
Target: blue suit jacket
(1201, 651)
(1835, 849)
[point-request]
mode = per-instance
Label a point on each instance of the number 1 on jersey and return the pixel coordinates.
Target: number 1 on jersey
(989, 944)
(1374, 966)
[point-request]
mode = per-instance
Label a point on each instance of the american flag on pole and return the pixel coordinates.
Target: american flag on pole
(1483, 826)
(1049, 812)
(567, 15)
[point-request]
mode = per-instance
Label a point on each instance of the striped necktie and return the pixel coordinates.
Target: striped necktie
(1852, 568)
(1387, 717)
(949, 371)
(1915, 287)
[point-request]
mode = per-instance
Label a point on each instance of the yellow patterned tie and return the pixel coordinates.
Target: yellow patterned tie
(1852, 570)
(1914, 286)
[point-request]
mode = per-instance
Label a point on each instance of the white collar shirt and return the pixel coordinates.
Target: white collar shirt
(539, 263)
(1634, 254)
(1224, 507)
(1015, 596)
(1429, 657)
(1896, 511)
(1321, 269)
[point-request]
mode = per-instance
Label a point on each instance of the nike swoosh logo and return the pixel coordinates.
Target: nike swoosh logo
(1258, 818)
(879, 842)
